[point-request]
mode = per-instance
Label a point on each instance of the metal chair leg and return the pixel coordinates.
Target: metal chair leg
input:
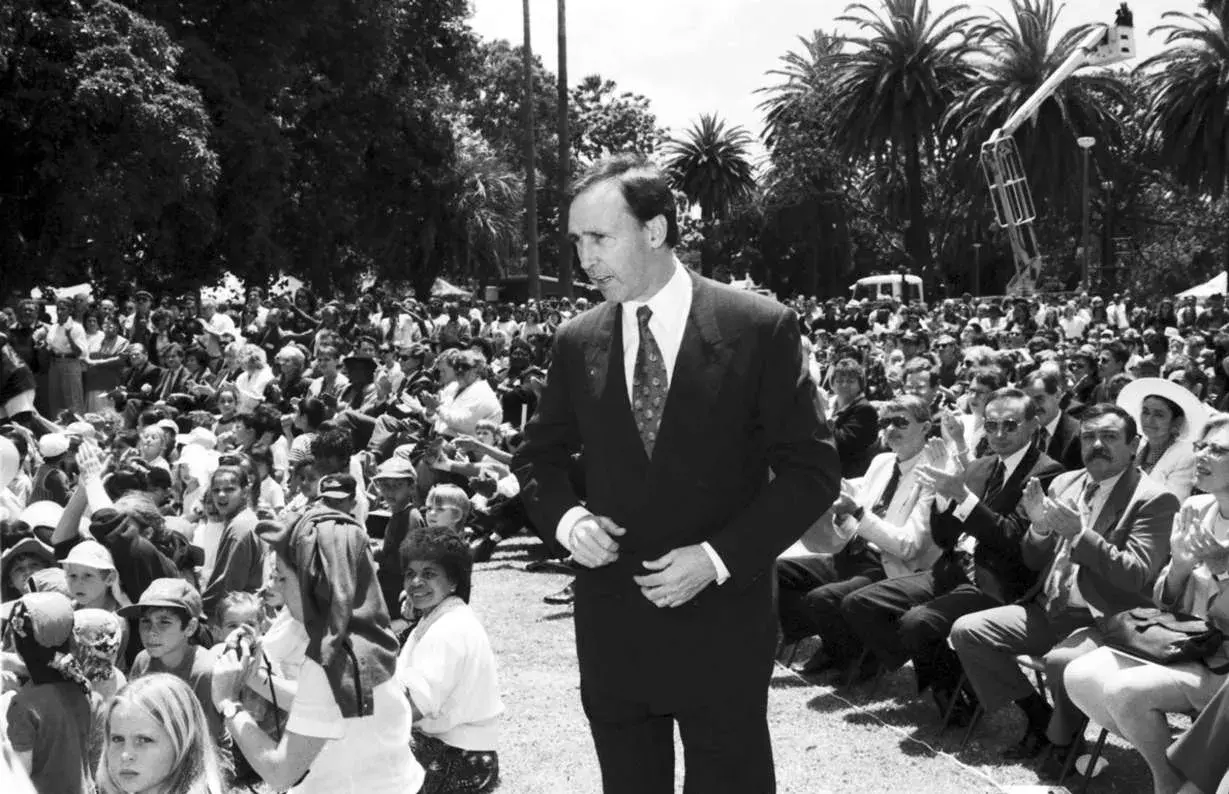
(1092, 761)
(1069, 764)
(951, 707)
(968, 733)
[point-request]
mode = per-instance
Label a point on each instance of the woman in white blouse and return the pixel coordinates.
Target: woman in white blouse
(1131, 697)
(447, 667)
(256, 376)
(1169, 418)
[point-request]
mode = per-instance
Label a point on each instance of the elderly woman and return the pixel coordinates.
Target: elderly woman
(1169, 418)
(349, 724)
(251, 382)
(1131, 697)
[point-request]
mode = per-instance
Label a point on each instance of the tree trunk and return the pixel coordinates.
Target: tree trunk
(565, 170)
(917, 236)
(707, 248)
(531, 190)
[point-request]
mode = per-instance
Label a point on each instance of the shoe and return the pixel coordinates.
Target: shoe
(1028, 748)
(821, 662)
(563, 597)
(869, 669)
(961, 704)
(482, 548)
(1056, 761)
(551, 566)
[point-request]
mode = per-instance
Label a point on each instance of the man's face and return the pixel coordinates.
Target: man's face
(63, 311)
(137, 356)
(27, 313)
(1047, 404)
(1105, 448)
(1007, 431)
(947, 352)
(918, 384)
(1107, 365)
(613, 247)
(902, 434)
(174, 358)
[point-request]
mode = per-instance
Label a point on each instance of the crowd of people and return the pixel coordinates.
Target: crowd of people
(239, 536)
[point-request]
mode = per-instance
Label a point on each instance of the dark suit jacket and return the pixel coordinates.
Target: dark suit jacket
(998, 523)
(856, 431)
(1122, 555)
(172, 382)
(149, 375)
(740, 402)
(1064, 445)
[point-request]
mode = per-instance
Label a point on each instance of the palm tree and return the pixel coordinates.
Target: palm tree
(804, 82)
(711, 165)
(1188, 99)
(891, 86)
(486, 205)
(1015, 58)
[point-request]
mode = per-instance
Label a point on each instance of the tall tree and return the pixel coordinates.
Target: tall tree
(565, 167)
(891, 86)
(1188, 100)
(711, 165)
(531, 176)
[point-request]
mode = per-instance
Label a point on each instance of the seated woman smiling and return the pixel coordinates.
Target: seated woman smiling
(1131, 697)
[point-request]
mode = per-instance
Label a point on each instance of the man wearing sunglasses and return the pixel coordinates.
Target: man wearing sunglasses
(1097, 537)
(887, 520)
(977, 523)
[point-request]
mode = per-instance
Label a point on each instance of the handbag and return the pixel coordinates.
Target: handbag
(1156, 635)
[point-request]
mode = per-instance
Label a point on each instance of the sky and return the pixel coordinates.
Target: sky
(703, 56)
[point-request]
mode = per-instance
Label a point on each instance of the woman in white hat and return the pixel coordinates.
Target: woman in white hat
(1170, 419)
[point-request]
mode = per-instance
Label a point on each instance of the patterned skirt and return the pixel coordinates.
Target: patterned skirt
(451, 770)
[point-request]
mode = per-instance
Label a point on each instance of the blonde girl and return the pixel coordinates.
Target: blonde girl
(157, 740)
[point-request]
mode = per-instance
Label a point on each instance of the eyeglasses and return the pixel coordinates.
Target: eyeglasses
(898, 422)
(994, 427)
(1215, 450)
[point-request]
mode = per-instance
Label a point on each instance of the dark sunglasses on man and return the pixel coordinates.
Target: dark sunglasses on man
(898, 422)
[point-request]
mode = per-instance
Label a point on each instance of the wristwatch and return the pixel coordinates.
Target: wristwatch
(858, 514)
(229, 709)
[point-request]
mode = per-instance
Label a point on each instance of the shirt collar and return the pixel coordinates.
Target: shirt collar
(1053, 425)
(1107, 484)
(674, 294)
(1012, 461)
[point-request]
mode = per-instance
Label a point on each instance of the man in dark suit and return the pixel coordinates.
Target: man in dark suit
(1058, 433)
(683, 394)
(977, 523)
(1099, 538)
(139, 383)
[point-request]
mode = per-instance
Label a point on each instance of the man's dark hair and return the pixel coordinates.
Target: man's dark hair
(1106, 409)
(990, 377)
(1119, 351)
(1030, 407)
(1049, 381)
(922, 364)
(335, 442)
(263, 419)
(645, 189)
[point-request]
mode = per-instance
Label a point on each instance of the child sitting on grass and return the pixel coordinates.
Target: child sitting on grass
(447, 666)
(170, 613)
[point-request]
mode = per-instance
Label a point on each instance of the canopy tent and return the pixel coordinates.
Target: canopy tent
(442, 289)
(1217, 285)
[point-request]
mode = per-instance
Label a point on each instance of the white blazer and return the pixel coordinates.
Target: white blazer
(1175, 471)
(902, 535)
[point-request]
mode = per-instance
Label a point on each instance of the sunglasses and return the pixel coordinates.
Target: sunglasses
(898, 422)
(994, 427)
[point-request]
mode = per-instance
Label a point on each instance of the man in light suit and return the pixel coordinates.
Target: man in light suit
(683, 394)
(1099, 538)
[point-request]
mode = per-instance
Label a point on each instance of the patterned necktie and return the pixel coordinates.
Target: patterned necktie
(995, 483)
(1062, 578)
(885, 499)
(1043, 439)
(649, 383)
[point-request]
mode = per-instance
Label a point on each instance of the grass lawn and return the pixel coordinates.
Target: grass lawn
(826, 741)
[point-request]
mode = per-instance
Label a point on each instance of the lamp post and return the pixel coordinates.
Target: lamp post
(1086, 143)
(977, 268)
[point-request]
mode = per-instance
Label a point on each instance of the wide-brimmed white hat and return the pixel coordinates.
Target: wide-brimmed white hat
(1132, 396)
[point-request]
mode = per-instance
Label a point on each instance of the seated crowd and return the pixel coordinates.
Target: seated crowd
(244, 534)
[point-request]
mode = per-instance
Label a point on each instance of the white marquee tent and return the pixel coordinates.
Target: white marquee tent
(1218, 284)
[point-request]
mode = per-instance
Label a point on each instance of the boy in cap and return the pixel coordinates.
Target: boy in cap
(338, 492)
(170, 615)
(395, 480)
(50, 481)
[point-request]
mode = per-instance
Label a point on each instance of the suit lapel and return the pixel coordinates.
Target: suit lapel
(607, 382)
(1117, 503)
(698, 371)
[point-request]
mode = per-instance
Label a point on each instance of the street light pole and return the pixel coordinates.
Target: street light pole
(977, 268)
(1086, 143)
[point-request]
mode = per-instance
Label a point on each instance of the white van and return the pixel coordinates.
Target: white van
(895, 286)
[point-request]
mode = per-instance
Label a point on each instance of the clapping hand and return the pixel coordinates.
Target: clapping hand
(1064, 519)
(949, 485)
(1181, 548)
(1034, 500)
(1199, 542)
(952, 428)
(89, 462)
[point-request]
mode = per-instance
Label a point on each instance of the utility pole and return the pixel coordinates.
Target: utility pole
(565, 168)
(1086, 143)
(531, 189)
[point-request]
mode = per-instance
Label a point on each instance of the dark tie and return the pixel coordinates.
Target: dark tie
(1043, 439)
(1063, 575)
(649, 383)
(885, 499)
(995, 483)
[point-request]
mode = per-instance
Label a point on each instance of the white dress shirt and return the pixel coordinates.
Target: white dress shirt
(902, 535)
(1074, 492)
(58, 340)
(671, 306)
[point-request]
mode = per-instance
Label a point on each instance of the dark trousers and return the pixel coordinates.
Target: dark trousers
(811, 590)
(726, 744)
(909, 617)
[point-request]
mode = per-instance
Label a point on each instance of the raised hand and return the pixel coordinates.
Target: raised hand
(943, 483)
(89, 462)
(1034, 500)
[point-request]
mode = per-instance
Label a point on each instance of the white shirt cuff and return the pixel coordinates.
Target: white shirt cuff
(563, 532)
(965, 508)
(723, 573)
